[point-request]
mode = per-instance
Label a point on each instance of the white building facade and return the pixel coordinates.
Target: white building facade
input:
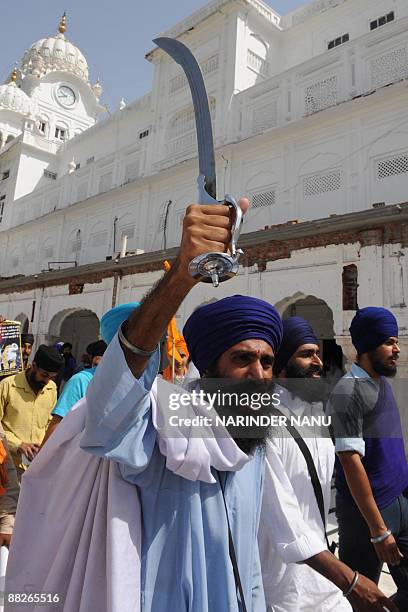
(309, 117)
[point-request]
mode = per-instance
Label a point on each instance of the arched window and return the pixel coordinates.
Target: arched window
(181, 133)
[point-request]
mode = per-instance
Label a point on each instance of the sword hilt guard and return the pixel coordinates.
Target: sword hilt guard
(216, 268)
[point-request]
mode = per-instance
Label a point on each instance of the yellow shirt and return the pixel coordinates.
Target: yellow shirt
(24, 414)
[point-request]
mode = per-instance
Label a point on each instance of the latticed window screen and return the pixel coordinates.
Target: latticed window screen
(398, 164)
(321, 183)
(264, 198)
(321, 95)
(264, 117)
(388, 68)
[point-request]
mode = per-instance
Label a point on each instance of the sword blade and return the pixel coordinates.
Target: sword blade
(206, 158)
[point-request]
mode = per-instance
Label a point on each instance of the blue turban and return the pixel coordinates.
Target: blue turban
(214, 328)
(113, 319)
(296, 331)
(371, 327)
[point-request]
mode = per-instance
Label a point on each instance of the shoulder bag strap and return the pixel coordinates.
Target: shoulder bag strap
(232, 553)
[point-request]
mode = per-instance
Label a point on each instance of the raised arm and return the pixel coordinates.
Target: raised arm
(118, 424)
(205, 228)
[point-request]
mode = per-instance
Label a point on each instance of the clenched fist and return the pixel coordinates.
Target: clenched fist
(206, 229)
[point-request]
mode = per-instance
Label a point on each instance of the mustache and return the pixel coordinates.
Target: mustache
(313, 369)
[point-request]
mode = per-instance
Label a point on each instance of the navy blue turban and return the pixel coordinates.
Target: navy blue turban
(214, 328)
(371, 327)
(296, 331)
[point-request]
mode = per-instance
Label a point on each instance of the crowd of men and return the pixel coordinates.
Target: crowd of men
(130, 514)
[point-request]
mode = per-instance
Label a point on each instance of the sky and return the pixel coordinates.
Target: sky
(113, 36)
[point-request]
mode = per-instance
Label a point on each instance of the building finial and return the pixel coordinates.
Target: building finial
(13, 77)
(63, 23)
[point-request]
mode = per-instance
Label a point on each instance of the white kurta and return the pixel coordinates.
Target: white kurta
(291, 528)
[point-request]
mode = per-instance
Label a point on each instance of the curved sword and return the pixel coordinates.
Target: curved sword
(209, 267)
(206, 159)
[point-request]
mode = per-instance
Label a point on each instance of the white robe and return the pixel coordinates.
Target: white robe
(84, 543)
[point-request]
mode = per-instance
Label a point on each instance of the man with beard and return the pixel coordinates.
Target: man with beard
(27, 341)
(194, 500)
(372, 471)
(199, 547)
(299, 572)
(26, 401)
(188, 524)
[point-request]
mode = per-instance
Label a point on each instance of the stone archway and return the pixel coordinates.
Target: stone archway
(320, 317)
(24, 322)
(76, 325)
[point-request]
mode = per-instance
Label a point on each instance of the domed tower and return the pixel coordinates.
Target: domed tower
(54, 74)
(15, 105)
(47, 100)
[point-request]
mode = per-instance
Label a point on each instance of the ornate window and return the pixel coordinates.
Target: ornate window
(397, 164)
(264, 117)
(319, 184)
(263, 199)
(181, 132)
(321, 95)
(61, 133)
(388, 68)
(207, 67)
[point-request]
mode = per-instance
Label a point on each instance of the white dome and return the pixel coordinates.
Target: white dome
(14, 99)
(54, 53)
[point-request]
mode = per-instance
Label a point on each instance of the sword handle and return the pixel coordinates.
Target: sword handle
(216, 268)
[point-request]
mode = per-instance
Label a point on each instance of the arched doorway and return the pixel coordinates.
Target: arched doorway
(78, 326)
(320, 317)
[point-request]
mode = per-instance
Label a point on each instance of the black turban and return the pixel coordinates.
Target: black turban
(48, 358)
(27, 339)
